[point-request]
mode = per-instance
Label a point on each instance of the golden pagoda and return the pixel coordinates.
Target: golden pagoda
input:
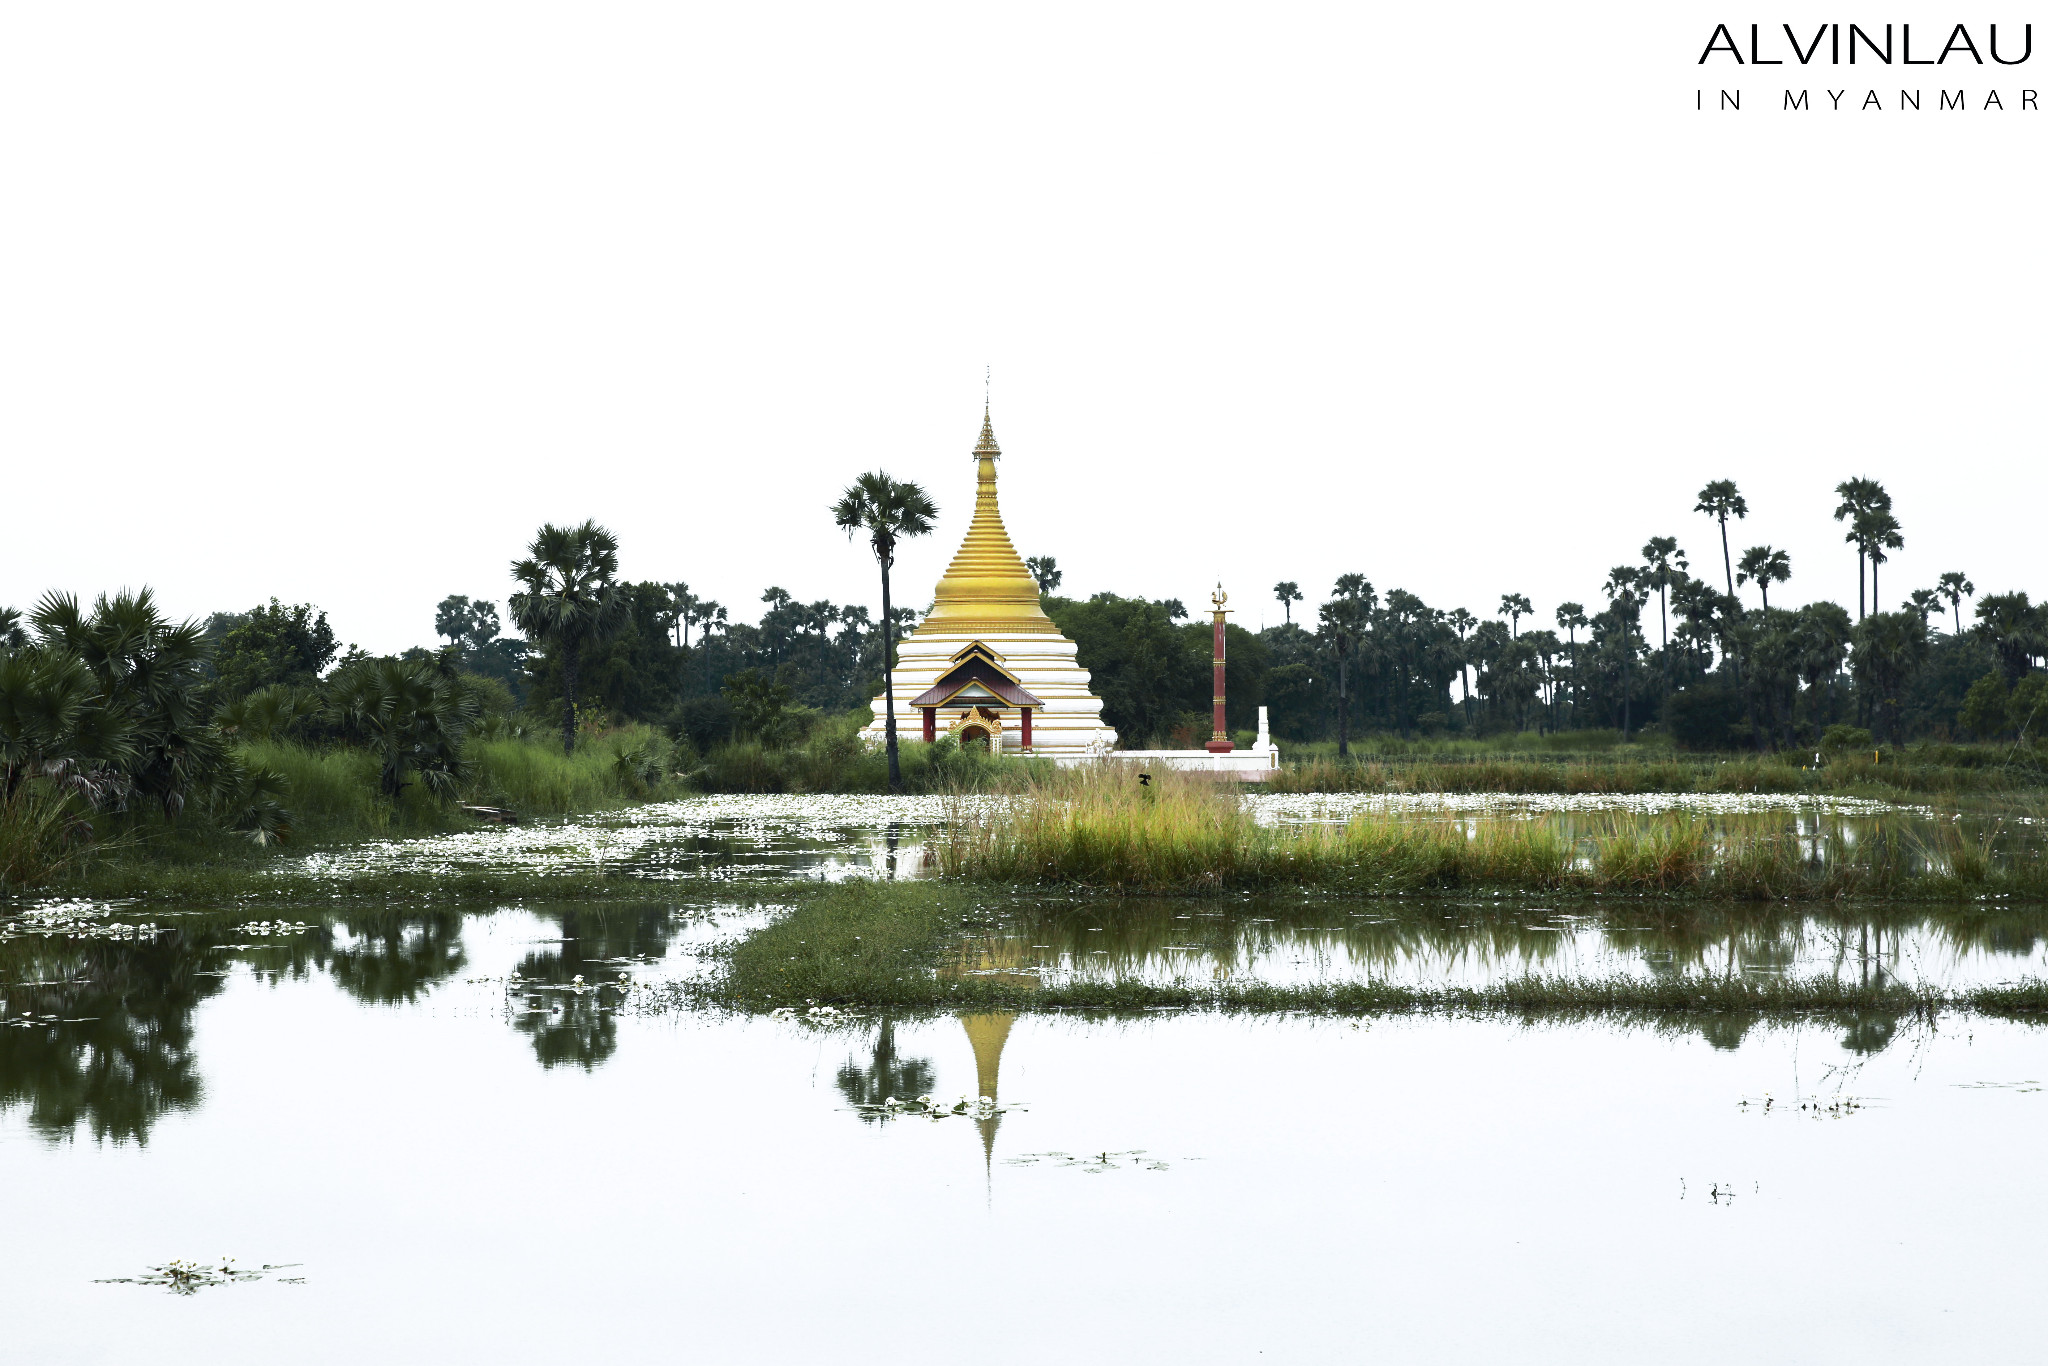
(987, 665)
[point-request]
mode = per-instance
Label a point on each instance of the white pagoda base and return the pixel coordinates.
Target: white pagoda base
(1245, 765)
(1255, 765)
(1068, 726)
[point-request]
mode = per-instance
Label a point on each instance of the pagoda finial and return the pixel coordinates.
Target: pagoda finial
(987, 445)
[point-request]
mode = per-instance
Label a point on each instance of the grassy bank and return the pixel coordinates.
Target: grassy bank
(332, 796)
(894, 947)
(1919, 771)
(1094, 828)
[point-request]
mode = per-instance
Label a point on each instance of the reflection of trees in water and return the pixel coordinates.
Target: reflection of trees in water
(1870, 1031)
(886, 1074)
(580, 1028)
(120, 1053)
(390, 958)
(124, 1055)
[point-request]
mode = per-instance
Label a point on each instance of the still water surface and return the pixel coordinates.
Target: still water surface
(470, 1155)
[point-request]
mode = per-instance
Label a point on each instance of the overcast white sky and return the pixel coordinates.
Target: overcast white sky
(339, 303)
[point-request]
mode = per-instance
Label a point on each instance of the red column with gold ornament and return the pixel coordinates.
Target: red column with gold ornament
(1219, 743)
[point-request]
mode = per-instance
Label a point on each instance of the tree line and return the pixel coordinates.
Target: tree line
(129, 710)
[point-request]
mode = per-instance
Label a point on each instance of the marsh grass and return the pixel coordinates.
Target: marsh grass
(1096, 827)
(834, 758)
(44, 835)
(1922, 770)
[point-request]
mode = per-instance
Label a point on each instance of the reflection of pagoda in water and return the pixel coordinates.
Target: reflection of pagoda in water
(987, 665)
(987, 1034)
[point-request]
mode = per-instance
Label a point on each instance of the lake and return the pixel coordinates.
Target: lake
(464, 1135)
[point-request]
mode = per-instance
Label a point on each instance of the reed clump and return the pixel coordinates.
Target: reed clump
(1100, 827)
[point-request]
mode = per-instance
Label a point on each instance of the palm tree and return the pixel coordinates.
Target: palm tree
(1344, 621)
(705, 614)
(1859, 496)
(1572, 617)
(1766, 566)
(1045, 570)
(1461, 621)
(1664, 563)
(1889, 648)
(683, 603)
(1955, 586)
(412, 713)
(887, 511)
(1875, 532)
(1624, 589)
(570, 601)
(1514, 607)
(2015, 628)
(1289, 593)
(1925, 601)
(1720, 501)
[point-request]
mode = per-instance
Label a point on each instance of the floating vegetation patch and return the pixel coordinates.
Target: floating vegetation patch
(1809, 1107)
(276, 928)
(76, 919)
(189, 1278)
(970, 1107)
(1096, 1164)
(43, 1021)
(712, 837)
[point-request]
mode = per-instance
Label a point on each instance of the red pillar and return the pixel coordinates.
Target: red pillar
(1219, 743)
(1027, 730)
(931, 724)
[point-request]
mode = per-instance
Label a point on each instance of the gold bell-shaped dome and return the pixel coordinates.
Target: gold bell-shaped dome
(987, 590)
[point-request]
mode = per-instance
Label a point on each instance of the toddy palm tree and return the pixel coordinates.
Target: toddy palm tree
(1874, 533)
(1462, 621)
(1289, 593)
(1626, 596)
(1955, 586)
(1514, 607)
(886, 511)
(1664, 564)
(570, 601)
(1345, 620)
(1720, 501)
(1572, 617)
(1766, 566)
(1859, 497)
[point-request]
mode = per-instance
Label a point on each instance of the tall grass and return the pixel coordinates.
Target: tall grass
(333, 792)
(1489, 774)
(43, 835)
(835, 758)
(1924, 769)
(1096, 827)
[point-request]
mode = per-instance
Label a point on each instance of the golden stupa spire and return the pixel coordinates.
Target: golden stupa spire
(987, 590)
(986, 1034)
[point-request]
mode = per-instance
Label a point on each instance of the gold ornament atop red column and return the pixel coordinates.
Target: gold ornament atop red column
(1219, 743)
